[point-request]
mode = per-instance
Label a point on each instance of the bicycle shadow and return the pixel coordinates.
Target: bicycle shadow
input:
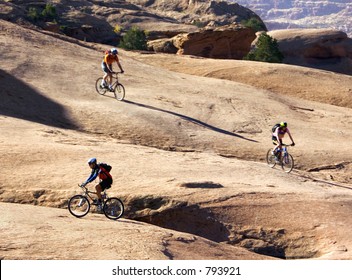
(192, 120)
(339, 185)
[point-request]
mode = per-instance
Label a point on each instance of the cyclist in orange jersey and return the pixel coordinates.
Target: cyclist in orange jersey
(108, 60)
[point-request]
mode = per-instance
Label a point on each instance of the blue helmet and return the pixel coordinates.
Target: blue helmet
(114, 51)
(92, 160)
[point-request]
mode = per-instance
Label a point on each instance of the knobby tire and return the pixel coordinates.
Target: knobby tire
(98, 87)
(113, 208)
(119, 92)
(270, 159)
(287, 163)
(79, 206)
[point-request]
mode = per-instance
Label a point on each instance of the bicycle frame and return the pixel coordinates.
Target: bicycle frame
(87, 193)
(283, 152)
(115, 78)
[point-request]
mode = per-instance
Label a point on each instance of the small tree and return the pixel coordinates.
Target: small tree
(134, 39)
(49, 12)
(266, 50)
(255, 24)
(33, 14)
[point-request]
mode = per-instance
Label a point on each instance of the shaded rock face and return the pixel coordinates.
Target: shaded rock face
(319, 48)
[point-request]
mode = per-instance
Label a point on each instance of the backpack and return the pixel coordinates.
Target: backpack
(106, 166)
(274, 127)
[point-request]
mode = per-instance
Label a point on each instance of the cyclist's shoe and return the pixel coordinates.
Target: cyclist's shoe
(103, 84)
(111, 88)
(100, 208)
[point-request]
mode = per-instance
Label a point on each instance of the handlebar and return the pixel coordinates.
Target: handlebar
(83, 187)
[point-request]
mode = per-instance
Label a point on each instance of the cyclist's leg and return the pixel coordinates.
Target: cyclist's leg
(109, 75)
(99, 189)
(276, 143)
(102, 186)
(106, 73)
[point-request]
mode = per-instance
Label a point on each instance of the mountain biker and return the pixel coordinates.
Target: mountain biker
(277, 136)
(109, 58)
(104, 176)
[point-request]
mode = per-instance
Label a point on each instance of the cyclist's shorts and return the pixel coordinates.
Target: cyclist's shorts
(275, 141)
(105, 68)
(105, 184)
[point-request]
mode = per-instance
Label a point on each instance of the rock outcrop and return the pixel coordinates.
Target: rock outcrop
(226, 42)
(319, 48)
(95, 21)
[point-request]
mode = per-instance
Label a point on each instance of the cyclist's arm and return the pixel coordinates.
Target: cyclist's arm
(92, 176)
(289, 134)
(119, 64)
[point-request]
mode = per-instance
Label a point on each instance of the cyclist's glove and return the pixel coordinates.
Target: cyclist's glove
(122, 71)
(83, 184)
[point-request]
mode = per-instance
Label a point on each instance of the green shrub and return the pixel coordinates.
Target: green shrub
(266, 50)
(33, 14)
(49, 12)
(134, 39)
(199, 23)
(255, 24)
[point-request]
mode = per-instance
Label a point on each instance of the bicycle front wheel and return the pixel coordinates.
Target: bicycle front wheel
(113, 208)
(270, 159)
(79, 206)
(119, 92)
(287, 163)
(101, 90)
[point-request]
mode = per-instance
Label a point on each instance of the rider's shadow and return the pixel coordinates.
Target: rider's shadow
(190, 119)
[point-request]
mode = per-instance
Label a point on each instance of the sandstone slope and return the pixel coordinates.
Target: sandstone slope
(187, 153)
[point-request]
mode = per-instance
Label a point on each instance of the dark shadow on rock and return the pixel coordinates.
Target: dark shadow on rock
(201, 185)
(19, 100)
(190, 119)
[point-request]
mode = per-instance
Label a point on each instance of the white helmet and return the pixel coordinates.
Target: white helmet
(114, 51)
(92, 160)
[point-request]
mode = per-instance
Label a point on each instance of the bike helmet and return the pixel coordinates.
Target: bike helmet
(114, 51)
(92, 160)
(283, 124)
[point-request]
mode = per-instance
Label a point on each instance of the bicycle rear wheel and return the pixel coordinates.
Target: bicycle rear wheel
(270, 159)
(78, 206)
(113, 208)
(119, 92)
(287, 163)
(101, 90)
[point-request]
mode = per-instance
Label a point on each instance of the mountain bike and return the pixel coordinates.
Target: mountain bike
(79, 205)
(117, 88)
(282, 157)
